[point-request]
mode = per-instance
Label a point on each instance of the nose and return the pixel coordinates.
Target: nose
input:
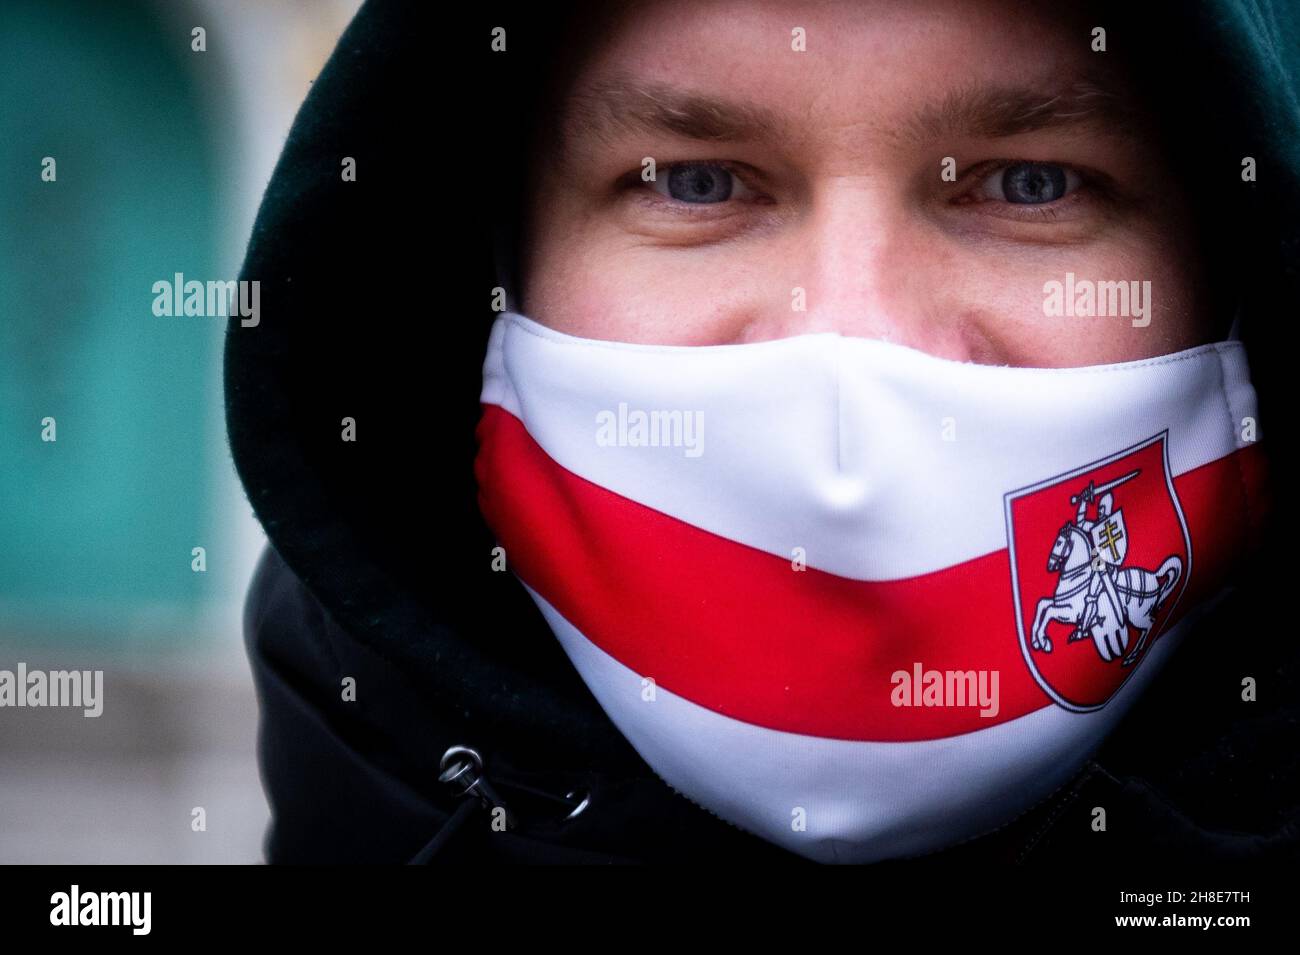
(860, 262)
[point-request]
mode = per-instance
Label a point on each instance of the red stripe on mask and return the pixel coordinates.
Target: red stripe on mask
(738, 631)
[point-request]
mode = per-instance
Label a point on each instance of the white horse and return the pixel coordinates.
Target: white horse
(1141, 594)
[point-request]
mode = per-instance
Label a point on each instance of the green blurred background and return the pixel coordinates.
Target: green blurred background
(162, 155)
(99, 524)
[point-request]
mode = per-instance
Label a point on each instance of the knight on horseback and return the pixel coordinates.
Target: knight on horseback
(1101, 598)
(1103, 571)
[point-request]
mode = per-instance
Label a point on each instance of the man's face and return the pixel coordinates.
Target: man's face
(816, 178)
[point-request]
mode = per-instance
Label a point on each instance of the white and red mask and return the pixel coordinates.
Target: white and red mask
(856, 599)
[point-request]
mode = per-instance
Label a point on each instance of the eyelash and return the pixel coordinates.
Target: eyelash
(1088, 183)
(649, 196)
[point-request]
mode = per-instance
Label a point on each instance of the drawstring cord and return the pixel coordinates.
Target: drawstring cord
(445, 834)
(462, 768)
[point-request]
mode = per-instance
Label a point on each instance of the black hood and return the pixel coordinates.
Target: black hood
(372, 310)
(376, 306)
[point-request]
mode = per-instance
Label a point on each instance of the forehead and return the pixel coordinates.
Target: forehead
(866, 64)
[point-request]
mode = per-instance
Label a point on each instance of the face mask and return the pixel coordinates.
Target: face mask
(855, 599)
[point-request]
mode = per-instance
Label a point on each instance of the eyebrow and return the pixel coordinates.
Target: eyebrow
(621, 104)
(998, 111)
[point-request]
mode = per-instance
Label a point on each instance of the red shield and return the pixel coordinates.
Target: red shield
(1079, 646)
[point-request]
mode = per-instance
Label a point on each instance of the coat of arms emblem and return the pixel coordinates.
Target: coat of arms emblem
(1099, 559)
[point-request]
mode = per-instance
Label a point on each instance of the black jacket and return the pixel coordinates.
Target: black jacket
(375, 308)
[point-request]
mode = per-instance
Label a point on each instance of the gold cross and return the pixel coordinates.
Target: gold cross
(1110, 537)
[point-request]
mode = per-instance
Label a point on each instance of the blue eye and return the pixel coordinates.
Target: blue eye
(697, 183)
(1032, 183)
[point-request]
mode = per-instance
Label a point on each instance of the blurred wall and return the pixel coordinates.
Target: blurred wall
(162, 154)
